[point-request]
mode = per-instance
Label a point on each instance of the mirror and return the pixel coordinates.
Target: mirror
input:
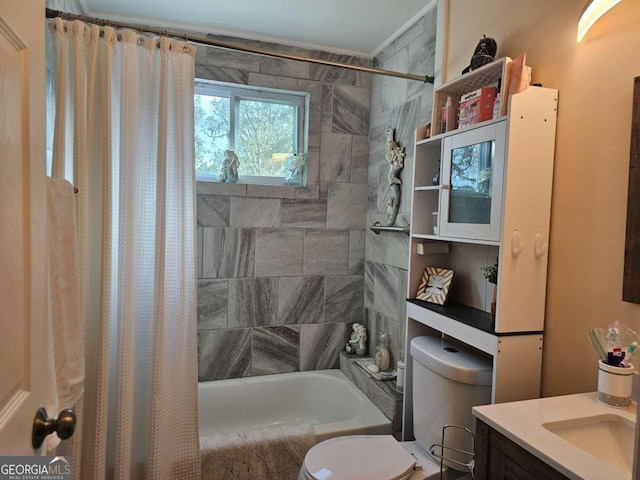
(631, 277)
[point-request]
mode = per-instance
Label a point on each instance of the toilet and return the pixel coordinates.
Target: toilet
(448, 379)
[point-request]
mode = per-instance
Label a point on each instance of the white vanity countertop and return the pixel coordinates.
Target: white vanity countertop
(522, 422)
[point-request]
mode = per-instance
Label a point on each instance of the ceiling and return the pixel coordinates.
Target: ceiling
(357, 27)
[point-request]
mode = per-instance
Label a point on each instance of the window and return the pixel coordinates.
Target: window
(263, 127)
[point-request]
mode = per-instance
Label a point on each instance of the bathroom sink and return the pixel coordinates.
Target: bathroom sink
(607, 437)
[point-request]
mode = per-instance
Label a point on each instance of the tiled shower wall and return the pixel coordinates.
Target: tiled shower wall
(403, 105)
(281, 269)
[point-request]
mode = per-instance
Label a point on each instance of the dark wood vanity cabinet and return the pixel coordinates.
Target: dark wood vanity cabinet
(498, 458)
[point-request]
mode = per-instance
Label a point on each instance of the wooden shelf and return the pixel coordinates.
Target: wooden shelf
(470, 316)
(490, 74)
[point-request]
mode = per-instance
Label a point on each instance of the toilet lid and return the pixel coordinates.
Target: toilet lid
(362, 457)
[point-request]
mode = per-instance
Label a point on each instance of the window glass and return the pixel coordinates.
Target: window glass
(212, 125)
(264, 128)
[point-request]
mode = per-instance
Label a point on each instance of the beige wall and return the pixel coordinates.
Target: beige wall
(595, 81)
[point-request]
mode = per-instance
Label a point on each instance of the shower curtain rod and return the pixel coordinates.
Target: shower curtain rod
(232, 46)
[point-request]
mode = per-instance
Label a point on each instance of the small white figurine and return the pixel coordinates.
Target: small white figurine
(358, 342)
(294, 169)
(229, 170)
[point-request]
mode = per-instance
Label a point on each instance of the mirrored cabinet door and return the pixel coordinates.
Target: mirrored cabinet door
(472, 178)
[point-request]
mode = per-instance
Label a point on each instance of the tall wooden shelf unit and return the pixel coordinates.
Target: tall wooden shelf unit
(522, 141)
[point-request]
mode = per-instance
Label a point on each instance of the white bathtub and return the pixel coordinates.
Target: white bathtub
(326, 399)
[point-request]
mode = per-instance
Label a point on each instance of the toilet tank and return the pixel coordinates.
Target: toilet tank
(448, 379)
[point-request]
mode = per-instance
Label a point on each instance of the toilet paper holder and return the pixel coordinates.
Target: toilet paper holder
(442, 456)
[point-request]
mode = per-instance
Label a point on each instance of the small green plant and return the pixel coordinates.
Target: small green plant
(490, 272)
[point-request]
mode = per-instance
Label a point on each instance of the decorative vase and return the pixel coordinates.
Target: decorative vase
(381, 355)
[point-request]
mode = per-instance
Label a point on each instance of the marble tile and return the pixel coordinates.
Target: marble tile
(327, 103)
(353, 372)
(376, 243)
(326, 252)
(406, 189)
(372, 191)
(267, 191)
(219, 57)
(344, 298)
(272, 81)
(411, 34)
(301, 300)
(397, 253)
(314, 111)
(275, 350)
(228, 252)
(389, 290)
(376, 92)
(329, 74)
(384, 396)
(377, 322)
(351, 107)
(201, 55)
(380, 121)
(220, 74)
(383, 189)
(212, 304)
(356, 252)
(217, 188)
(255, 212)
(279, 252)
(368, 284)
(359, 159)
(394, 90)
(364, 79)
(383, 56)
(253, 302)
(409, 116)
(335, 157)
(303, 213)
(213, 211)
(283, 68)
(224, 354)
(199, 235)
(312, 176)
(347, 205)
(421, 59)
(321, 344)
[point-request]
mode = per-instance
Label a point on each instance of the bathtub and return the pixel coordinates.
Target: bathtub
(326, 399)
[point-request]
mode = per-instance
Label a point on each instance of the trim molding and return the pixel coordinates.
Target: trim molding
(426, 9)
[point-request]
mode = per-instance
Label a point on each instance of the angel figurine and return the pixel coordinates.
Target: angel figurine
(358, 342)
(229, 170)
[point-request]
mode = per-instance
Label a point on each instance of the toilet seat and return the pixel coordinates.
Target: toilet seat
(360, 457)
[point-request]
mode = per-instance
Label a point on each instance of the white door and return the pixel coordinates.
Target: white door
(22, 222)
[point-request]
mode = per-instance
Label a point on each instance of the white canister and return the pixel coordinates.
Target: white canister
(400, 376)
(615, 385)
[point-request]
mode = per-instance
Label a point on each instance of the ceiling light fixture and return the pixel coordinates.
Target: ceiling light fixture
(592, 12)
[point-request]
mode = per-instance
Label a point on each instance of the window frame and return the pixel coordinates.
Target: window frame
(234, 91)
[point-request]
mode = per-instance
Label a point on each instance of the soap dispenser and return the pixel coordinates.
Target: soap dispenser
(381, 354)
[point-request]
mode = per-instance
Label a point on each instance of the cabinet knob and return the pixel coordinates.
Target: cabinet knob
(517, 246)
(540, 248)
(444, 186)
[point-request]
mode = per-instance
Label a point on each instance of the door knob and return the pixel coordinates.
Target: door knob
(64, 426)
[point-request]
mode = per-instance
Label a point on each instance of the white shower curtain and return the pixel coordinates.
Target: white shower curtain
(124, 137)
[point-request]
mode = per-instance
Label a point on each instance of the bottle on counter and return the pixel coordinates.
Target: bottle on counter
(400, 372)
(381, 355)
(448, 120)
